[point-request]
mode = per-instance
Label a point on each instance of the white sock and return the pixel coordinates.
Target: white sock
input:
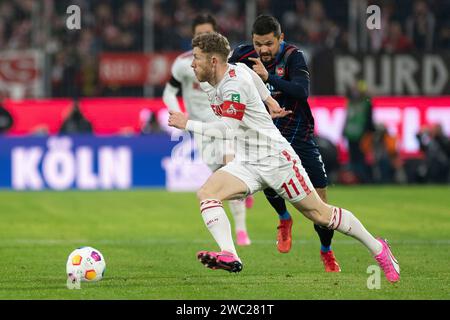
(345, 222)
(217, 222)
(237, 208)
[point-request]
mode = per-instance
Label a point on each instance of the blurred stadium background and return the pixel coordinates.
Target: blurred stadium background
(115, 67)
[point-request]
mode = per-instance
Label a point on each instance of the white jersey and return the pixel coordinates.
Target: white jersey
(194, 98)
(235, 99)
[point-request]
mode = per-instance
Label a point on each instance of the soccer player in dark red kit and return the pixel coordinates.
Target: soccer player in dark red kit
(283, 68)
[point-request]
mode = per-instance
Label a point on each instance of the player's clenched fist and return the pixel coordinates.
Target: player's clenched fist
(177, 120)
(259, 68)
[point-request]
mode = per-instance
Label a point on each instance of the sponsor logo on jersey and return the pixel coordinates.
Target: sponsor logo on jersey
(232, 73)
(231, 110)
(235, 97)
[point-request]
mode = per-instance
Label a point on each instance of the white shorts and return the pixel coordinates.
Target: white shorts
(283, 172)
(213, 151)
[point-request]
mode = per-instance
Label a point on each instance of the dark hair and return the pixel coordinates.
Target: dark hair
(212, 42)
(202, 19)
(265, 24)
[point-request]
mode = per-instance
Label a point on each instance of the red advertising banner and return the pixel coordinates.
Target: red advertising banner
(135, 69)
(108, 116)
(402, 116)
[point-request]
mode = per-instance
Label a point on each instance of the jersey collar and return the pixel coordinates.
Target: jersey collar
(225, 75)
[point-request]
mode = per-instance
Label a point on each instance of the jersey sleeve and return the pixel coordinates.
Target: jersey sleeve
(178, 70)
(234, 100)
(234, 55)
(299, 82)
(241, 54)
(264, 93)
(170, 97)
(299, 68)
(232, 111)
(219, 129)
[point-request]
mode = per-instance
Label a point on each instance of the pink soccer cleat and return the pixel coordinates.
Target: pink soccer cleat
(387, 262)
(249, 201)
(220, 260)
(242, 238)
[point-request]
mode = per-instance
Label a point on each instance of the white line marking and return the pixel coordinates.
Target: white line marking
(162, 241)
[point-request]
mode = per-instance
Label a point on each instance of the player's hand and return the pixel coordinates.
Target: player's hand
(274, 108)
(177, 120)
(259, 68)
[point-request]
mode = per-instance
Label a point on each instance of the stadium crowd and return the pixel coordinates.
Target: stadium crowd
(110, 25)
(118, 26)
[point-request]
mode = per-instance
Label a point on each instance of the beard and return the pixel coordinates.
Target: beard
(204, 75)
(266, 58)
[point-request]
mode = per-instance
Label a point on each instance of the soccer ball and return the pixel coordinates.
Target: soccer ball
(86, 264)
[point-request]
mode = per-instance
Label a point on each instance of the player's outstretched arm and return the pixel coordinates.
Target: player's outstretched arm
(218, 129)
(274, 108)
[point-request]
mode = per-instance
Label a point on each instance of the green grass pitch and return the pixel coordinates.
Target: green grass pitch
(150, 237)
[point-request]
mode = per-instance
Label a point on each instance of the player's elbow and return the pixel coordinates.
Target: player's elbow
(301, 92)
(299, 95)
(301, 88)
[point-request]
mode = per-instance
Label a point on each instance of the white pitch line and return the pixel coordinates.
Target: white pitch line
(161, 241)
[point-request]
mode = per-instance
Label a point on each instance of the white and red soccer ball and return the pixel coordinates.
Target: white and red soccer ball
(86, 264)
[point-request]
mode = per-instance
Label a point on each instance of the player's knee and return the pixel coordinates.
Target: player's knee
(203, 193)
(322, 220)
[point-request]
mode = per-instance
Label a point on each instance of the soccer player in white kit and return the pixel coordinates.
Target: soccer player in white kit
(214, 153)
(264, 158)
(197, 107)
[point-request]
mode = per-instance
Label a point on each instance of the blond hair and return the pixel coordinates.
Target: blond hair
(212, 43)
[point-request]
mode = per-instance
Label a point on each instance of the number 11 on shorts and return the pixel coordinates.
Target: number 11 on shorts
(294, 187)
